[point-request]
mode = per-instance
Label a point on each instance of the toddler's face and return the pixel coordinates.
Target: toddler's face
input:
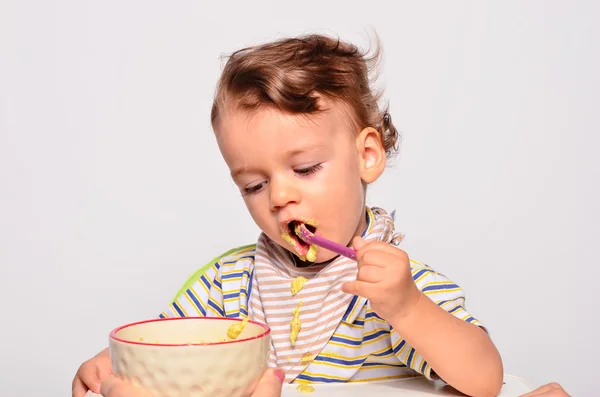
(293, 167)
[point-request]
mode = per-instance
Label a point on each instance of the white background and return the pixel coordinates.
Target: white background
(112, 190)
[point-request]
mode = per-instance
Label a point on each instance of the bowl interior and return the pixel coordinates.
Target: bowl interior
(186, 331)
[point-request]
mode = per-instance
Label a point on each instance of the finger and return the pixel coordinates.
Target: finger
(115, 387)
(360, 288)
(542, 391)
(78, 388)
(100, 373)
(270, 384)
(358, 242)
(374, 257)
(370, 274)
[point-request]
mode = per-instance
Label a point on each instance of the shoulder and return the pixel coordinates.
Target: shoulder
(234, 256)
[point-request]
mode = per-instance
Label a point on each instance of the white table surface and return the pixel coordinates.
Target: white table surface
(413, 387)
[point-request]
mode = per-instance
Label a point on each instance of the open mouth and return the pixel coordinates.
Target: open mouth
(303, 250)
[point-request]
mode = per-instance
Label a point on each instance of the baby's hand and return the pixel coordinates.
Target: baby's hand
(91, 374)
(384, 278)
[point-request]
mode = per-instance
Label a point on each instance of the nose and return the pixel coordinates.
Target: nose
(282, 193)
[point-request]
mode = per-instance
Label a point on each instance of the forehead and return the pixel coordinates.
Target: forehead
(267, 129)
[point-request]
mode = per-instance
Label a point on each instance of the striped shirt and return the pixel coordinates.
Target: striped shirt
(342, 339)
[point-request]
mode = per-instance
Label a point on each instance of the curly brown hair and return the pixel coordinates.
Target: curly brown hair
(292, 73)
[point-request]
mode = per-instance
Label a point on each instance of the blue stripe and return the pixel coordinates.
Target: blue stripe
(346, 341)
(231, 275)
(385, 353)
(359, 342)
(245, 272)
(386, 364)
(204, 280)
(196, 302)
(455, 309)
(233, 315)
(423, 367)
(375, 335)
(318, 379)
(250, 286)
(420, 273)
(410, 357)
(399, 346)
(244, 312)
(178, 309)
(438, 287)
(218, 284)
(231, 295)
(368, 223)
(216, 307)
(340, 361)
(161, 316)
(359, 322)
(469, 319)
(373, 314)
(350, 307)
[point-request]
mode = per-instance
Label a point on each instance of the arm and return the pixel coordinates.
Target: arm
(460, 353)
(431, 330)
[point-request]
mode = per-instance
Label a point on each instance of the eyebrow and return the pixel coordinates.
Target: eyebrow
(287, 154)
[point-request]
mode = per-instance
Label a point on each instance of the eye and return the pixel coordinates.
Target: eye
(308, 170)
(254, 188)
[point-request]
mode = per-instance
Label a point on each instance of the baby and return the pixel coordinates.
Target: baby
(303, 134)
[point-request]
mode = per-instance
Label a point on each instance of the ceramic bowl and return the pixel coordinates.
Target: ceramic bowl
(191, 357)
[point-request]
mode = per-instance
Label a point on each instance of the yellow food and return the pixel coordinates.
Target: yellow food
(289, 239)
(236, 329)
(311, 255)
(295, 325)
(297, 284)
(304, 388)
(307, 358)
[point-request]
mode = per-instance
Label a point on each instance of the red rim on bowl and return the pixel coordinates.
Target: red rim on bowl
(113, 333)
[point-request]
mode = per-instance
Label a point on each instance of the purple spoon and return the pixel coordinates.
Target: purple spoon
(310, 238)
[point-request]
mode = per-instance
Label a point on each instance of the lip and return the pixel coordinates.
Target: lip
(300, 248)
(283, 225)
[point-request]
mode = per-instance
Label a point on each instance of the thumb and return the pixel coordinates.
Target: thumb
(270, 384)
(358, 242)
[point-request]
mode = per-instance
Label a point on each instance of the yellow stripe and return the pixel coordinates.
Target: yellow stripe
(414, 262)
(234, 270)
(233, 279)
(418, 367)
(165, 314)
(384, 366)
(354, 308)
(353, 325)
(371, 220)
(409, 375)
(342, 366)
(440, 291)
(238, 254)
(364, 356)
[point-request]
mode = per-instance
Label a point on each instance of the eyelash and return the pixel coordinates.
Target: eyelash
(302, 172)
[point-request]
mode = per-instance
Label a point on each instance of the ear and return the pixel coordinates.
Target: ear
(371, 155)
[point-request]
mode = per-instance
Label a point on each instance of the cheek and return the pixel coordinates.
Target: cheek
(259, 209)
